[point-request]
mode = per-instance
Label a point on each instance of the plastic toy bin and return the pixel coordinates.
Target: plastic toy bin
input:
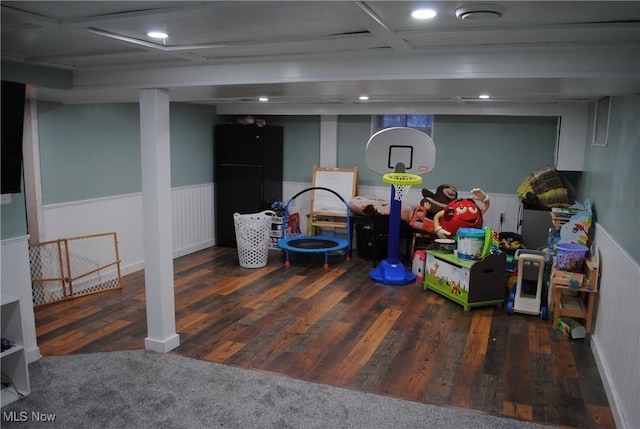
(570, 257)
(253, 237)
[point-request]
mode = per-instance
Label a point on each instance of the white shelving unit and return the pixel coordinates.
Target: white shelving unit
(13, 360)
(276, 232)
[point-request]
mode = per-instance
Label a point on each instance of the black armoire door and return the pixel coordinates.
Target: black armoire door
(248, 174)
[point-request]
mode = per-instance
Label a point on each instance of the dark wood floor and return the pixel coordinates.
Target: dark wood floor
(337, 327)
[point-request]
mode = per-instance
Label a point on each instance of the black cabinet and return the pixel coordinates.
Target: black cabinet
(248, 174)
(536, 223)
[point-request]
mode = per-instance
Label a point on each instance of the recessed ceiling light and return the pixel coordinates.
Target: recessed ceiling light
(157, 34)
(263, 99)
(363, 97)
(484, 96)
(424, 13)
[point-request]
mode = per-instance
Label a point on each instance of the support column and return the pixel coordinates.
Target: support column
(32, 177)
(157, 227)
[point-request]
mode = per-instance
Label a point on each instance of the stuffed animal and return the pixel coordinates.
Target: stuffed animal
(461, 213)
(420, 220)
(422, 217)
(436, 202)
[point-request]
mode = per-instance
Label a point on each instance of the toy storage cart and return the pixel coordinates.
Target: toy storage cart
(527, 295)
(574, 296)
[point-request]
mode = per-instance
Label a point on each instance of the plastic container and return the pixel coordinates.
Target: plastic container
(446, 244)
(470, 243)
(253, 233)
(570, 257)
(510, 242)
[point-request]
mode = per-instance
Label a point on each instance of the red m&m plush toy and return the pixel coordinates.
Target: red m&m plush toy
(461, 213)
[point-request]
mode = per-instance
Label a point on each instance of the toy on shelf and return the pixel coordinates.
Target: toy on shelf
(573, 223)
(571, 328)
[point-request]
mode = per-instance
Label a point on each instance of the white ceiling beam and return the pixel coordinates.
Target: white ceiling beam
(376, 26)
(513, 108)
(619, 61)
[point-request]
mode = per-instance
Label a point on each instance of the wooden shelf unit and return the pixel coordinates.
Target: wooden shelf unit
(581, 305)
(14, 360)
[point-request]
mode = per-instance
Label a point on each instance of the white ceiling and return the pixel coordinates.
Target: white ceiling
(323, 55)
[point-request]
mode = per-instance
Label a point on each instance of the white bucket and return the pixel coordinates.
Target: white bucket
(470, 243)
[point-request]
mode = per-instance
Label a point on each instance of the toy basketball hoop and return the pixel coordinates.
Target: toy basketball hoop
(408, 153)
(401, 182)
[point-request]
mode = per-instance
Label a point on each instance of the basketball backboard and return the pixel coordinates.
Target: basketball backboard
(411, 147)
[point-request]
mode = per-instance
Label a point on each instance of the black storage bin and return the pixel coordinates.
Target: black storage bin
(510, 251)
(365, 240)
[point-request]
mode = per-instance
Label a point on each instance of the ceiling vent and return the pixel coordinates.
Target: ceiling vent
(480, 12)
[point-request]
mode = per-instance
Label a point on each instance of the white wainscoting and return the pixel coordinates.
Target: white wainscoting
(616, 339)
(193, 219)
(192, 213)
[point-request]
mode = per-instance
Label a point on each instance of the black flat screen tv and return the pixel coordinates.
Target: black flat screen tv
(13, 101)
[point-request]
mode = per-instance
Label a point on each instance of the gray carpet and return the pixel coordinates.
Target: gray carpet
(142, 389)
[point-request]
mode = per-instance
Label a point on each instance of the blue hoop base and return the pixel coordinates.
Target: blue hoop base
(392, 274)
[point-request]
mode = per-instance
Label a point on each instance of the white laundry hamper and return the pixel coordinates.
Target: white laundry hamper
(253, 238)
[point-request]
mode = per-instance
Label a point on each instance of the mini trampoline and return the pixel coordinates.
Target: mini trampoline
(315, 243)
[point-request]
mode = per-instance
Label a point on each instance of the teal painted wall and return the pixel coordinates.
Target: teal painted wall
(191, 144)
(353, 134)
(88, 151)
(102, 142)
(92, 151)
(13, 218)
(611, 178)
(495, 153)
